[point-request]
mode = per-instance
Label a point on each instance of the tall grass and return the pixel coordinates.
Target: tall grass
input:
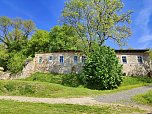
(144, 98)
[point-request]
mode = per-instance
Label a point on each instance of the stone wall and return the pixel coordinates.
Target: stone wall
(55, 66)
(133, 67)
(4, 75)
(26, 72)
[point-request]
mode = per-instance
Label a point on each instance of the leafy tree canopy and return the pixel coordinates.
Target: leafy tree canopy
(64, 38)
(14, 33)
(39, 42)
(98, 20)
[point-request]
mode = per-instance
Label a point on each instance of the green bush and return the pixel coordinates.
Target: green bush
(102, 69)
(16, 62)
(71, 80)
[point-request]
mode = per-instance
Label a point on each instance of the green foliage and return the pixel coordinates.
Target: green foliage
(9, 87)
(39, 42)
(3, 56)
(64, 38)
(16, 62)
(46, 77)
(43, 88)
(14, 36)
(102, 69)
(150, 53)
(26, 89)
(15, 32)
(133, 80)
(98, 20)
(144, 98)
(71, 80)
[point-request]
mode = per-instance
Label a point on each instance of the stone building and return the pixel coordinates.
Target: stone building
(135, 62)
(59, 62)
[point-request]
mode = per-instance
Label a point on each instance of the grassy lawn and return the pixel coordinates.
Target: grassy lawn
(12, 107)
(49, 86)
(144, 98)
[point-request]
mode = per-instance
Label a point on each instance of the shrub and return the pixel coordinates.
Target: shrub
(71, 80)
(16, 62)
(102, 69)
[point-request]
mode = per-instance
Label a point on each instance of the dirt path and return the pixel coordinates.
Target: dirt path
(118, 98)
(123, 97)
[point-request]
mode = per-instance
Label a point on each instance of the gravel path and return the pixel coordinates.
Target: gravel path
(120, 98)
(81, 101)
(123, 97)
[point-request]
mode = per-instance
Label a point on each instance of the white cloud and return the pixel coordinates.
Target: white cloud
(143, 20)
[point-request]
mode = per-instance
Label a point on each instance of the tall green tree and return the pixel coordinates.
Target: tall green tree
(14, 36)
(14, 33)
(98, 20)
(64, 38)
(39, 42)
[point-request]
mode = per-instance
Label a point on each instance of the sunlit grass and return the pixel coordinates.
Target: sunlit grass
(144, 98)
(52, 90)
(12, 107)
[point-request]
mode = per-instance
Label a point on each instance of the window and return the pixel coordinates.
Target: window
(75, 59)
(61, 59)
(50, 58)
(124, 59)
(40, 60)
(140, 59)
(83, 59)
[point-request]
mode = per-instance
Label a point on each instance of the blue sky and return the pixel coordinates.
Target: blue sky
(46, 14)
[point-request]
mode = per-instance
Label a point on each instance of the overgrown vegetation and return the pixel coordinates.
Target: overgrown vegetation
(102, 69)
(71, 80)
(46, 77)
(40, 108)
(144, 98)
(41, 87)
(20, 40)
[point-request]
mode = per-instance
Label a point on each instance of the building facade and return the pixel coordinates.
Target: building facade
(59, 62)
(135, 62)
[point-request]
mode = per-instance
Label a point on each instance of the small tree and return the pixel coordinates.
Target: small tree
(102, 69)
(16, 62)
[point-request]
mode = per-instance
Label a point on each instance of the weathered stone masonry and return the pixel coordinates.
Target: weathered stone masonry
(135, 62)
